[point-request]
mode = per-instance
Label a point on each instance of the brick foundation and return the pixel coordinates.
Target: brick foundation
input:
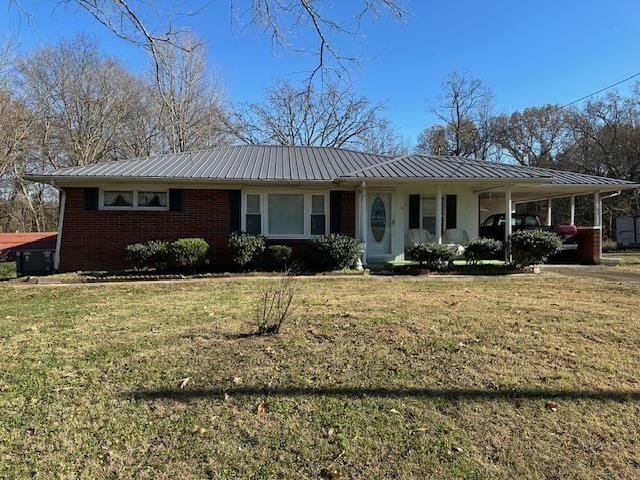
(588, 252)
(97, 239)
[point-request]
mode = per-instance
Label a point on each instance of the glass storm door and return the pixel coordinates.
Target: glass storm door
(379, 234)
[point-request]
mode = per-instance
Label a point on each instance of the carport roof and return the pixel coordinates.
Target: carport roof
(274, 163)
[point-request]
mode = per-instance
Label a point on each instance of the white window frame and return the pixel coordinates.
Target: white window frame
(264, 214)
(135, 206)
(444, 211)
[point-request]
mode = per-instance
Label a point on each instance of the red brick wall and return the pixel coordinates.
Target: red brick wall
(97, 239)
(588, 252)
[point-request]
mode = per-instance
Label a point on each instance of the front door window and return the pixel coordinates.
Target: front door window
(378, 219)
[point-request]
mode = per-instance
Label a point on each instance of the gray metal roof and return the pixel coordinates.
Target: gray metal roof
(313, 164)
(245, 162)
(448, 167)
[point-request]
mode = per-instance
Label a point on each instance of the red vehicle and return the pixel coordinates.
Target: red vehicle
(493, 227)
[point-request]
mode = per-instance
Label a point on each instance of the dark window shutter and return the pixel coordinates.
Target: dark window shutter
(91, 198)
(452, 211)
(175, 199)
(234, 210)
(414, 211)
(335, 211)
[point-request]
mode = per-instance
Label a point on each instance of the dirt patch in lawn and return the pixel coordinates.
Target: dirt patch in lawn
(525, 377)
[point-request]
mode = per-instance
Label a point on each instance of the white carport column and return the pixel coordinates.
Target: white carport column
(572, 208)
(548, 212)
(597, 210)
(439, 215)
(363, 221)
(597, 217)
(508, 209)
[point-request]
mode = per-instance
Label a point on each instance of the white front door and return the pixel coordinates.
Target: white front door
(379, 225)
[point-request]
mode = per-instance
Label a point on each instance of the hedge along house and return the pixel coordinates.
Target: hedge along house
(289, 194)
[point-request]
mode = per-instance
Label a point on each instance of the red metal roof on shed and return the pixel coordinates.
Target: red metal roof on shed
(10, 243)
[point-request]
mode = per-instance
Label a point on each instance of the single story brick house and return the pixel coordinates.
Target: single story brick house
(289, 194)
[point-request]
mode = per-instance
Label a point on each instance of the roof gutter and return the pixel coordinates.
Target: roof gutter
(78, 180)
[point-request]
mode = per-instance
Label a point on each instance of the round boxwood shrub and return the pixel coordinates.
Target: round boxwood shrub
(245, 248)
(277, 258)
(433, 256)
(189, 252)
(153, 254)
(333, 252)
(530, 247)
(481, 249)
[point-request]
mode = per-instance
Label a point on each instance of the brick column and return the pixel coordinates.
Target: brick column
(588, 252)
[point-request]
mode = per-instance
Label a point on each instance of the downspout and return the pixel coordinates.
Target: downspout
(615, 194)
(63, 201)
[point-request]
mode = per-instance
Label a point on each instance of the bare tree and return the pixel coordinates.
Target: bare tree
(332, 117)
(82, 99)
(534, 136)
(18, 208)
(192, 109)
(464, 108)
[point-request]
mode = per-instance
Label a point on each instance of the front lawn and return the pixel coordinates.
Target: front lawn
(376, 378)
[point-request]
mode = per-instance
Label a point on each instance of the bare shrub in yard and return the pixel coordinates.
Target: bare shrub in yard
(275, 304)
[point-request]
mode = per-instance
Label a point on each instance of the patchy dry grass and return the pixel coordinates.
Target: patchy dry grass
(375, 378)
(629, 262)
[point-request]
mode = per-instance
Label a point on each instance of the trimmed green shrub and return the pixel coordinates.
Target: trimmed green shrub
(481, 249)
(189, 252)
(530, 247)
(277, 258)
(434, 256)
(333, 252)
(153, 254)
(137, 255)
(245, 248)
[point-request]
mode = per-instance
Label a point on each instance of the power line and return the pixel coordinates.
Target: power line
(562, 107)
(600, 91)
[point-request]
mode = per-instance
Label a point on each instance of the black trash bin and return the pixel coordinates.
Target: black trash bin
(34, 262)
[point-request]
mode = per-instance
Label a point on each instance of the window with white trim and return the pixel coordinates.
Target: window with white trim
(428, 215)
(134, 199)
(318, 215)
(253, 216)
(285, 214)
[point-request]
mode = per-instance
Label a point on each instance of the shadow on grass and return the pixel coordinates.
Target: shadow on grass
(355, 392)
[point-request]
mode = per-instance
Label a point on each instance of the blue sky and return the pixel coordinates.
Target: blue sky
(528, 53)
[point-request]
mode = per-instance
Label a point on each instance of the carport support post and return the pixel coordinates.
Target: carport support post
(439, 215)
(548, 212)
(572, 207)
(508, 209)
(597, 217)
